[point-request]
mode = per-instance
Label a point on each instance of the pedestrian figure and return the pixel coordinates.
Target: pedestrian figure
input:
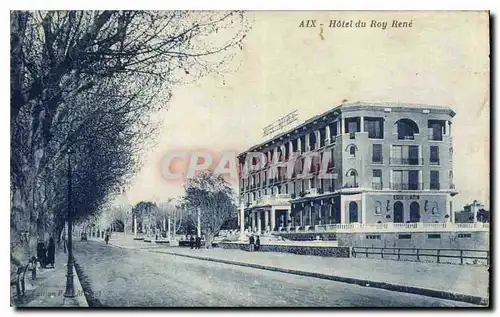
(107, 238)
(191, 242)
(251, 241)
(64, 241)
(32, 267)
(198, 242)
(257, 244)
(51, 253)
(41, 253)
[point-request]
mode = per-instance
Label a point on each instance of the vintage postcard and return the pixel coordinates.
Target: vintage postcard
(250, 159)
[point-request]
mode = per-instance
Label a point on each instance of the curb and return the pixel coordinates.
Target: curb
(477, 300)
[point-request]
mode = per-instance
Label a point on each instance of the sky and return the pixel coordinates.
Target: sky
(442, 59)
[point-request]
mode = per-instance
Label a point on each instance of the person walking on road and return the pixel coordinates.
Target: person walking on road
(251, 241)
(257, 244)
(191, 242)
(107, 237)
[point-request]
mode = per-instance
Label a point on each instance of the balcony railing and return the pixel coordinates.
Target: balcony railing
(406, 186)
(377, 160)
(313, 191)
(403, 227)
(377, 185)
(406, 137)
(406, 161)
(435, 186)
(434, 161)
(351, 185)
(436, 137)
(272, 199)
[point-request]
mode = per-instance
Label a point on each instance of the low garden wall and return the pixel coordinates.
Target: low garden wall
(307, 236)
(338, 252)
(186, 243)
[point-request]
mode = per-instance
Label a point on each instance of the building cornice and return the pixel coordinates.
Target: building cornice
(352, 107)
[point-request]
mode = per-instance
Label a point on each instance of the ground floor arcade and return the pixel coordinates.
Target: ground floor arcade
(362, 208)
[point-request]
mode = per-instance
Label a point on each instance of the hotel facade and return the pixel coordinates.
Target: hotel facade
(356, 164)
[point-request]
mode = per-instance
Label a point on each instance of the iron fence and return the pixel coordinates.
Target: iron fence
(418, 254)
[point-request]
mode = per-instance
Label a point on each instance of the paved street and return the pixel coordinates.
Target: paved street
(122, 277)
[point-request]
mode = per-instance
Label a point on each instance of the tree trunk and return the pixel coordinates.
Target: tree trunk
(209, 238)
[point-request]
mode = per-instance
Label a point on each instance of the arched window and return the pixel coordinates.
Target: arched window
(352, 175)
(378, 208)
(353, 212)
(414, 212)
(398, 212)
(352, 148)
(406, 129)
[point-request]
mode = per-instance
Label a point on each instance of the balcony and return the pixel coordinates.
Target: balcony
(406, 186)
(436, 137)
(403, 227)
(350, 185)
(313, 192)
(377, 185)
(377, 160)
(276, 199)
(406, 161)
(435, 186)
(434, 161)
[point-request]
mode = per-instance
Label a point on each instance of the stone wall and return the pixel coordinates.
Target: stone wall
(338, 252)
(308, 236)
(475, 240)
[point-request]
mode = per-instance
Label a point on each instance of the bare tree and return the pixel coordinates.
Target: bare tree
(123, 213)
(171, 213)
(146, 213)
(210, 198)
(90, 80)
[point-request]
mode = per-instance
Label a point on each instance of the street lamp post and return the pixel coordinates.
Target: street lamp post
(70, 287)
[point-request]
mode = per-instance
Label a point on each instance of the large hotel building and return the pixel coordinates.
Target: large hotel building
(387, 163)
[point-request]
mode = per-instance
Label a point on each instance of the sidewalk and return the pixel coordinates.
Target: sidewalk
(48, 288)
(465, 283)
